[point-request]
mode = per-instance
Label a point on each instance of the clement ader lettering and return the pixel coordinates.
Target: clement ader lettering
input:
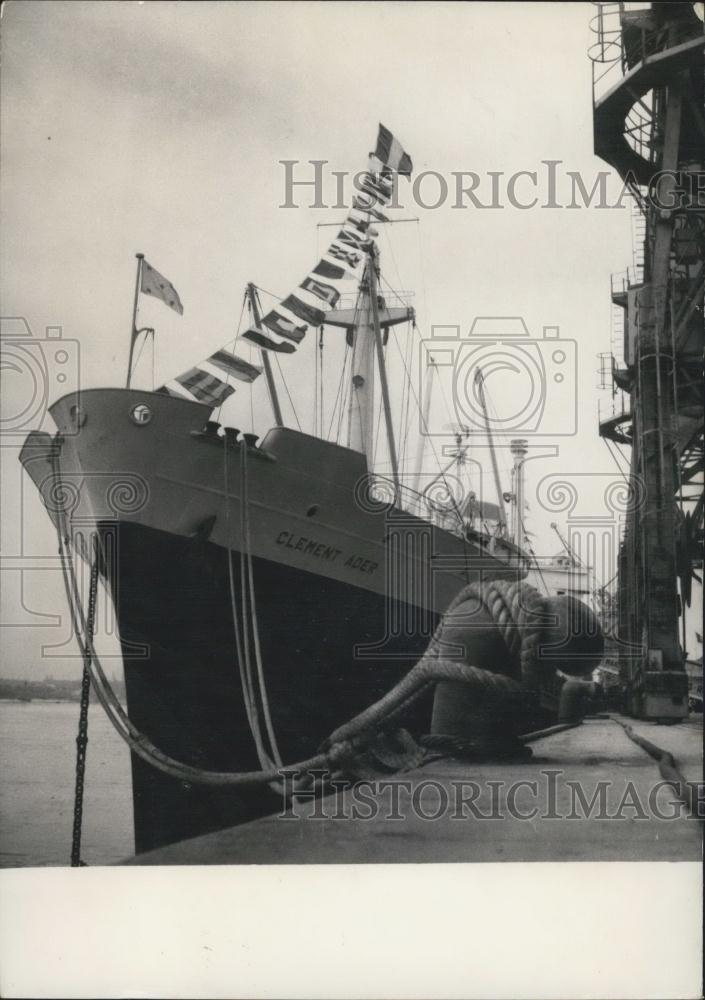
(311, 547)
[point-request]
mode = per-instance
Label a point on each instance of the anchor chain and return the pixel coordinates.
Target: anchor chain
(82, 737)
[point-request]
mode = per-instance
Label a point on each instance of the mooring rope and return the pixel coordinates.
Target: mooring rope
(516, 609)
(246, 554)
(245, 680)
(686, 791)
(540, 734)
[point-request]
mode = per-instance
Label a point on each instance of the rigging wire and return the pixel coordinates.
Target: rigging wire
(246, 559)
(339, 391)
(402, 408)
(442, 472)
(532, 555)
(418, 406)
(148, 332)
(245, 679)
(378, 423)
(345, 401)
(422, 271)
(286, 389)
(625, 457)
(278, 298)
(323, 384)
(449, 415)
(407, 422)
(396, 269)
(314, 421)
(237, 334)
(347, 386)
(621, 471)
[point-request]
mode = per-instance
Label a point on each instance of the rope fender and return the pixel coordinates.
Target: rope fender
(519, 611)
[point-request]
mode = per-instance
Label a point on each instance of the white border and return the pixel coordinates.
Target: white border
(512, 930)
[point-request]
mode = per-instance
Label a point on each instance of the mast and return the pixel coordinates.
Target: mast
(391, 443)
(133, 332)
(425, 412)
(361, 408)
(268, 374)
(479, 379)
(519, 450)
(364, 325)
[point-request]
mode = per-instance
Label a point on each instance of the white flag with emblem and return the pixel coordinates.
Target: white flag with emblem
(155, 284)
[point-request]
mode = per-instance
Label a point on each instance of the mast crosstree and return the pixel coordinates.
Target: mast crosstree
(364, 325)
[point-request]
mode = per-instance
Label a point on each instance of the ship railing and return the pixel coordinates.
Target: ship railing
(437, 507)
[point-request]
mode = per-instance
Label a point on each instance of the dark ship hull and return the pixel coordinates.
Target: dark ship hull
(348, 590)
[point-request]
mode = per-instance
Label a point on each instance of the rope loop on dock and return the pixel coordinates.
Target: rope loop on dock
(421, 678)
(517, 609)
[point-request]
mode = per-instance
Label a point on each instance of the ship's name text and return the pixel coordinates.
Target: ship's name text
(310, 547)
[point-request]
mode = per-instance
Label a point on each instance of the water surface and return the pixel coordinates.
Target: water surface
(38, 752)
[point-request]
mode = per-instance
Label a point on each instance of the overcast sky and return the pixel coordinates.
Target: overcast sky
(159, 128)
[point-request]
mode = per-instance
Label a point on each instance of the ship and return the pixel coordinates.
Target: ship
(266, 588)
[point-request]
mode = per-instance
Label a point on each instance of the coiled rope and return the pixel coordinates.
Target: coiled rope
(516, 608)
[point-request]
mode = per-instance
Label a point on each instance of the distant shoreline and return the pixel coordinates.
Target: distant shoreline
(38, 698)
(21, 691)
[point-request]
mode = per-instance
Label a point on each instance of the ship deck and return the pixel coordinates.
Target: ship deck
(449, 810)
